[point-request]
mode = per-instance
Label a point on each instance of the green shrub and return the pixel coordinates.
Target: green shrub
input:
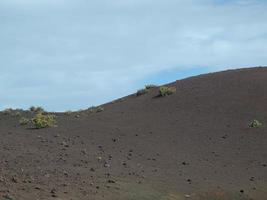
(165, 91)
(94, 109)
(150, 86)
(255, 124)
(141, 92)
(41, 120)
(24, 121)
(99, 109)
(37, 109)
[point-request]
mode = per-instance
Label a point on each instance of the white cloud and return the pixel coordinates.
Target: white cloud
(87, 48)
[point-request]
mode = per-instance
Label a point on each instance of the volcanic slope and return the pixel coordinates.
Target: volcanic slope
(193, 144)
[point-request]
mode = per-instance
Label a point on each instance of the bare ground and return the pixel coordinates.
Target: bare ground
(194, 144)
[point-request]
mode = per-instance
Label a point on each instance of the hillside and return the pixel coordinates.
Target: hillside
(194, 144)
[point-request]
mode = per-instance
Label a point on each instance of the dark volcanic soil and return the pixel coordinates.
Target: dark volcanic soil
(194, 144)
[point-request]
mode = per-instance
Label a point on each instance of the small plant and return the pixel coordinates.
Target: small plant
(255, 124)
(37, 109)
(165, 91)
(24, 121)
(94, 109)
(150, 86)
(141, 92)
(99, 109)
(43, 120)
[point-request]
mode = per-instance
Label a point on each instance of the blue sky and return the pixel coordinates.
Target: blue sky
(72, 54)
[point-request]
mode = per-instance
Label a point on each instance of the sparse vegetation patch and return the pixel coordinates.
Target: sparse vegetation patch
(165, 91)
(43, 120)
(94, 109)
(24, 121)
(99, 109)
(255, 124)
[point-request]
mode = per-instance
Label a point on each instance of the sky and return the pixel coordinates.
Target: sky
(73, 54)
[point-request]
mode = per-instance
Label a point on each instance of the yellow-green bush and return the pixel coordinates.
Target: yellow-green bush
(43, 120)
(165, 91)
(99, 109)
(24, 121)
(94, 109)
(255, 124)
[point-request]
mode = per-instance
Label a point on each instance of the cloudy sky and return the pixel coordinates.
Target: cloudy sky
(72, 54)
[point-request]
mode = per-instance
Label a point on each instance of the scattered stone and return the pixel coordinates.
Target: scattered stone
(185, 163)
(84, 151)
(2, 179)
(47, 175)
(92, 169)
(225, 136)
(65, 173)
(53, 192)
(37, 188)
(106, 165)
(187, 195)
(65, 144)
(111, 181)
(14, 179)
